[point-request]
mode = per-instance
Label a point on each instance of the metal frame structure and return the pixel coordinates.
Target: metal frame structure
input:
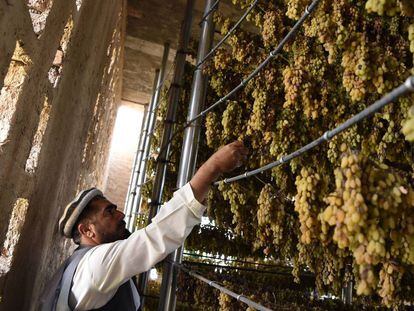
(189, 152)
(142, 165)
(134, 175)
(290, 35)
(136, 168)
(191, 139)
(171, 115)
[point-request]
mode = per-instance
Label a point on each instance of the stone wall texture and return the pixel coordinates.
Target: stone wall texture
(60, 83)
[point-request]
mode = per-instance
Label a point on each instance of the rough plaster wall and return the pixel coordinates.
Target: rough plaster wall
(73, 144)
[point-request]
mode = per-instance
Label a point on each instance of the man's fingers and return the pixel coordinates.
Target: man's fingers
(240, 159)
(239, 146)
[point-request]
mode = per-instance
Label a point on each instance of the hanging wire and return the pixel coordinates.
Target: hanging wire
(251, 7)
(405, 88)
(276, 193)
(291, 34)
(222, 289)
(212, 9)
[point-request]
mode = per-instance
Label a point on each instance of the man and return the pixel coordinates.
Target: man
(98, 274)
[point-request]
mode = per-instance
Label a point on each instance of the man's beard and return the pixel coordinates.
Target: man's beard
(121, 234)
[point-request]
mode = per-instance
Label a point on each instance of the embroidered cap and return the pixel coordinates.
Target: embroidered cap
(74, 209)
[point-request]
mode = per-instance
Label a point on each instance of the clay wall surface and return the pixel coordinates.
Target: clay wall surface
(60, 82)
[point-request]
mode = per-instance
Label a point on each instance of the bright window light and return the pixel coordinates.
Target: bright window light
(153, 274)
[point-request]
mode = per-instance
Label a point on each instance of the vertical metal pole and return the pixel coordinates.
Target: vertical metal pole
(134, 175)
(132, 191)
(188, 155)
(151, 123)
(170, 119)
(347, 293)
(347, 287)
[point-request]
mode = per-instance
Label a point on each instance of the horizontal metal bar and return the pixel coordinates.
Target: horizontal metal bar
(222, 289)
(287, 272)
(406, 87)
(227, 34)
(230, 260)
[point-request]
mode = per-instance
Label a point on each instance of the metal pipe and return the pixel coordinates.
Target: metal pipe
(212, 265)
(405, 88)
(347, 293)
(222, 289)
(132, 193)
(170, 118)
(232, 260)
(188, 153)
(171, 114)
(151, 123)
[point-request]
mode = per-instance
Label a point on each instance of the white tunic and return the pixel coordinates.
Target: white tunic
(107, 266)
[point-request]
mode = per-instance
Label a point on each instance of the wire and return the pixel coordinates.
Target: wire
(277, 193)
(406, 87)
(222, 289)
(251, 7)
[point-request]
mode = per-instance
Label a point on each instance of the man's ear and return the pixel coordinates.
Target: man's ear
(85, 229)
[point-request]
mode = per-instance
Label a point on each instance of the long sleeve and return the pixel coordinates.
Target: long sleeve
(105, 267)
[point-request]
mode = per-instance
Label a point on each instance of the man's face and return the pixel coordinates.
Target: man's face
(108, 223)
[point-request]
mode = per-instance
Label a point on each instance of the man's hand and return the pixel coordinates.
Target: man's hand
(226, 159)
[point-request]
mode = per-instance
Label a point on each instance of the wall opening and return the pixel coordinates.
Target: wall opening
(13, 234)
(78, 4)
(39, 11)
(13, 83)
(33, 158)
(55, 71)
